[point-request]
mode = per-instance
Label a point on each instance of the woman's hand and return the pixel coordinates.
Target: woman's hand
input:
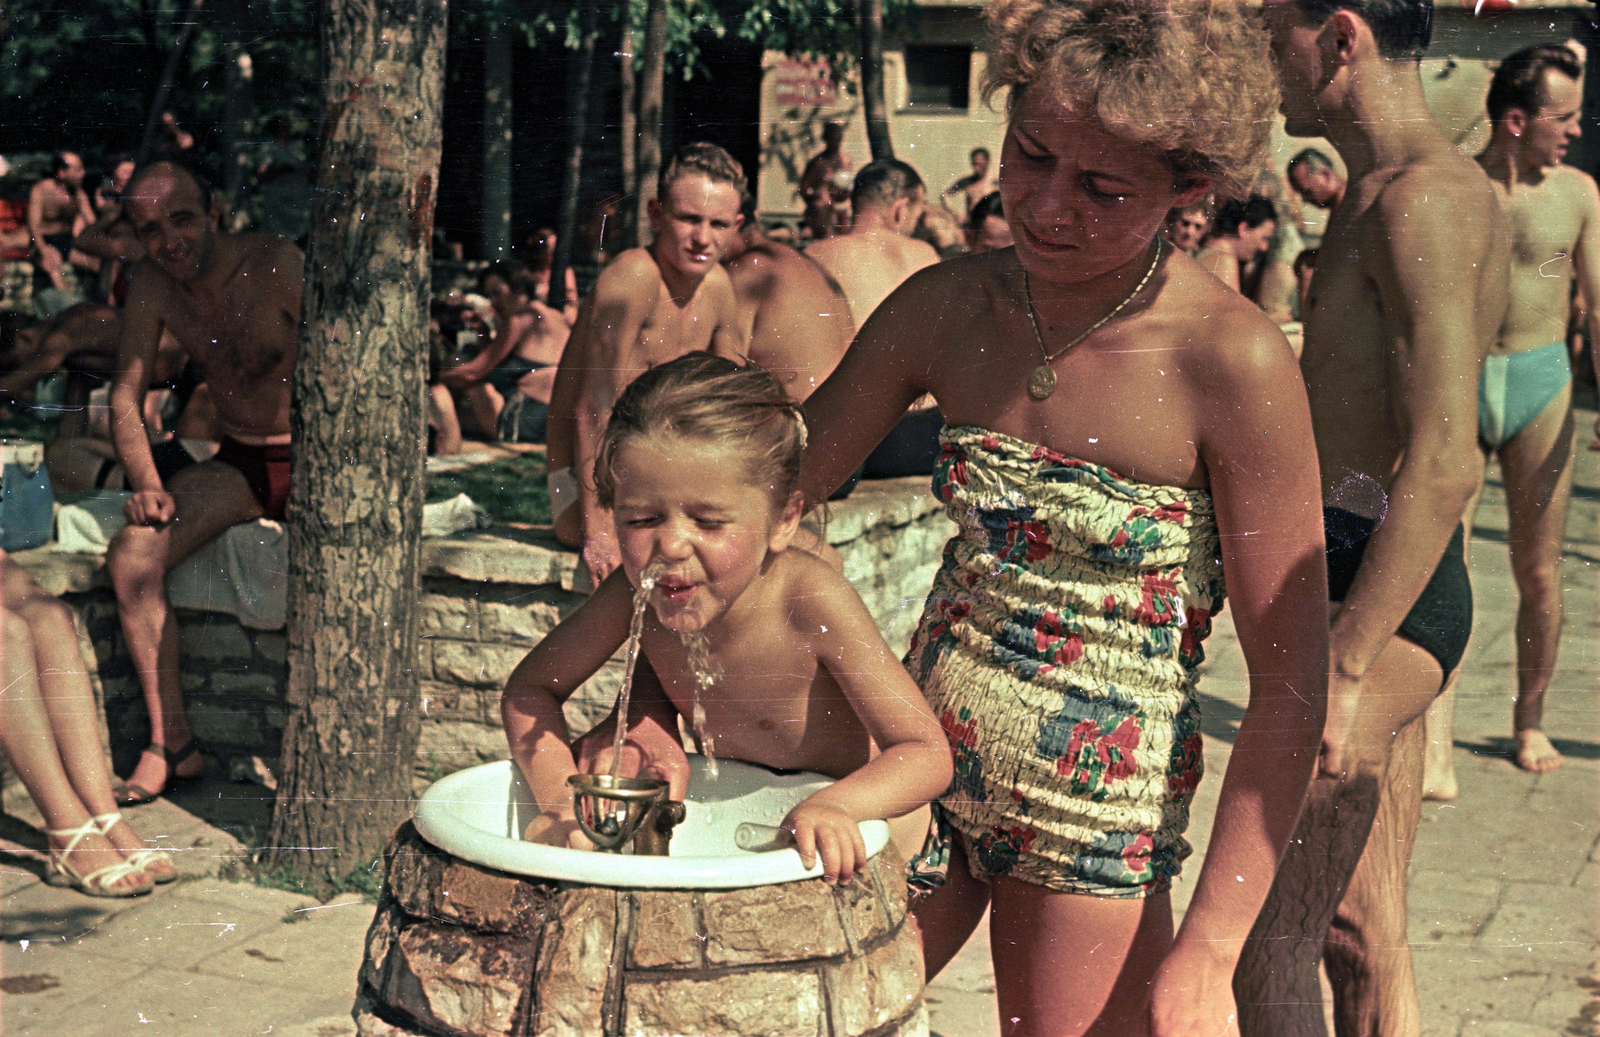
(1192, 996)
(828, 832)
(557, 829)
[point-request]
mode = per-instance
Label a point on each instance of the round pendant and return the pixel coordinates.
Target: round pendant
(1042, 382)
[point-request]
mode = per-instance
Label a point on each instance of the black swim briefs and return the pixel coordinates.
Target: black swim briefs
(1441, 620)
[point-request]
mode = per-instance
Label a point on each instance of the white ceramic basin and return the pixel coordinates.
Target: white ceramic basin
(478, 814)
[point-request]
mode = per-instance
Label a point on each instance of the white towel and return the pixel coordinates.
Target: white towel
(245, 571)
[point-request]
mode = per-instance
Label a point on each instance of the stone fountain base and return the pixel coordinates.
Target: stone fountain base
(458, 949)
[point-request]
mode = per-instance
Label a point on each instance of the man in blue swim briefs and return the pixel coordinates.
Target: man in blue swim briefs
(1525, 402)
(1407, 297)
(233, 303)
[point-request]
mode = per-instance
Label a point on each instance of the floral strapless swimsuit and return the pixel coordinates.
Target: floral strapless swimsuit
(1058, 648)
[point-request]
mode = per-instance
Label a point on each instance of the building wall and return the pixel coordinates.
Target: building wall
(1455, 77)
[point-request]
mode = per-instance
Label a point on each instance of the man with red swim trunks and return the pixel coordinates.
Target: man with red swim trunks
(233, 303)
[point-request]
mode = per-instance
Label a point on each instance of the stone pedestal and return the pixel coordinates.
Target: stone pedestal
(457, 949)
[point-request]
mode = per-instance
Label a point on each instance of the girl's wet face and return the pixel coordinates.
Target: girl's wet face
(1081, 201)
(692, 506)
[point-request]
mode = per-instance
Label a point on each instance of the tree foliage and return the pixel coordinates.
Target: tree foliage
(81, 73)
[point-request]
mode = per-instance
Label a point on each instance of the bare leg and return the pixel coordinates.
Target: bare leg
(442, 416)
(210, 498)
(28, 742)
(1367, 953)
(948, 916)
(1537, 464)
(1067, 964)
(1276, 983)
(1439, 765)
(480, 408)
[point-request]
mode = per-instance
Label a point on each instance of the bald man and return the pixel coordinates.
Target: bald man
(233, 304)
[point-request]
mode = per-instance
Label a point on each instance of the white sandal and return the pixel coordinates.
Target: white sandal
(98, 883)
(141, 859)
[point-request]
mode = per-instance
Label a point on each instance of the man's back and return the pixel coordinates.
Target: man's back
(870, 264)
(795, 317)
(1431, 219)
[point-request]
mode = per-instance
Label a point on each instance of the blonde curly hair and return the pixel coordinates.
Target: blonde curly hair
(1193, 78)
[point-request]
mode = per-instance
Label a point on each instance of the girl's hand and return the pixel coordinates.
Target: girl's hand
(557, 830)
(1192, 996)
(828, 832)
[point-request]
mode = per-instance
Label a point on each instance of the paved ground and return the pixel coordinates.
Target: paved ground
(1503, 892)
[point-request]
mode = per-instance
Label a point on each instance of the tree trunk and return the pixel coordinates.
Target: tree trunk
(577, 129)
(651, 91)
(629, 126)
(497, 146)
(869, 29)
(355, 498)
(239, 108)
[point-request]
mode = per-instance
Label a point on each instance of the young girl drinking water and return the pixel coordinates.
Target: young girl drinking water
(698, 465)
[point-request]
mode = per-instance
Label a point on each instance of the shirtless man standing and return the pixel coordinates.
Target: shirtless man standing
(1405, 302)
(878, 253)
(649, 306)
(1525, 400)
(233, 303)
(1313, 178)
(869, 263)
(975, 186)
(792, 312)
(58, 207)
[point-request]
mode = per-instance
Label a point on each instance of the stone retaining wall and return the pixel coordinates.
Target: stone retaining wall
(462, 950)
(486, 599)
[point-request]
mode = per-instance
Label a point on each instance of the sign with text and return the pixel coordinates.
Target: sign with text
(804, 84)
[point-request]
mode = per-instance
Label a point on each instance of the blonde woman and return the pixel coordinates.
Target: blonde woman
(1127, 442)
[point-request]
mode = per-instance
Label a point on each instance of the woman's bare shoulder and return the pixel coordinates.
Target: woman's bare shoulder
(1225, 333)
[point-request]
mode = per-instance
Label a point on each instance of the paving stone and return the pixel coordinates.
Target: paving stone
(754, 1004)
(445, 977)
(869, 992)
(574, 967)
(475, 664)
(664, 933)
(447, 617)
(1549, 928)
(794, 921)
(174, 1003)
(220, 638)
(41, 913)
(514, 624)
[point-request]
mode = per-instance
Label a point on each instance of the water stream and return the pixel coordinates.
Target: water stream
(641, 601)
(699, 652)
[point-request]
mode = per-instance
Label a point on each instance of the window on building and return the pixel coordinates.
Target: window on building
(936, 76)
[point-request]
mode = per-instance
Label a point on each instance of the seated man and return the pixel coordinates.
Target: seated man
(233, 304)
(505, 389)
(649, 306)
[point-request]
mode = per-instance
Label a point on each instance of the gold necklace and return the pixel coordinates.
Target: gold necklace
(1042, 382)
